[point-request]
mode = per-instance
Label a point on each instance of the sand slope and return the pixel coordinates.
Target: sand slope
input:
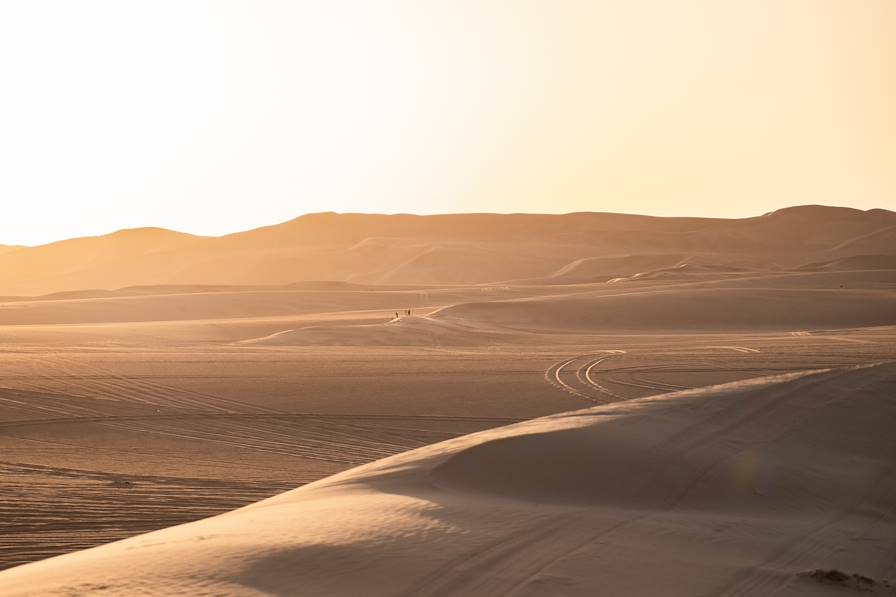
(401, 331)
(603, 268)
(689, 309)
(455, 248)
(856, 262)
(729, 490)
(879, 241)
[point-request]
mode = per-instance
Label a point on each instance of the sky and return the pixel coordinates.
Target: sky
(216, 116)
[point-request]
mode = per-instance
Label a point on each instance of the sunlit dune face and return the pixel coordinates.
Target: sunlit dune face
(212, 117)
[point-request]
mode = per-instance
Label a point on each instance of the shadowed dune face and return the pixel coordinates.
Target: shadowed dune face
(688, 309)
(447, 249)
(639, 456)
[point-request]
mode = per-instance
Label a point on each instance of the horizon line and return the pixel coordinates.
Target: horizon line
(427, 215)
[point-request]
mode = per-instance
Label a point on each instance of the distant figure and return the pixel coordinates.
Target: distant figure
(396, 315)
(409, 312)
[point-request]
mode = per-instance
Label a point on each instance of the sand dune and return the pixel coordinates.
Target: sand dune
(687, 309)
(821, 280)
(736, 489)
(454, 249)
(400, 331)
(856, 262)
(338, 313)
(877, 242)
(688, 270)
(603, 268)
(194, 305)
(471, 263)
(110, 430)
(811, 225)
(206, 303)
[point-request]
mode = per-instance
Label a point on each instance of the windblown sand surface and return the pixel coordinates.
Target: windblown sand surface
(734, 489)
(129, 410)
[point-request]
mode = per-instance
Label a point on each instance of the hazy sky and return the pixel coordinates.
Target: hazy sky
(218, 116)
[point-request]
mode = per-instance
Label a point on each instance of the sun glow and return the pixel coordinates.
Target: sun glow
(217, 116)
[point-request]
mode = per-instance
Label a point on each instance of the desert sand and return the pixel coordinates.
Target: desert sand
(590, 404)
(453, 249)
(734, 489)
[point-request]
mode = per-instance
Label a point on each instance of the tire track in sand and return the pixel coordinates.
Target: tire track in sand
(583, 374)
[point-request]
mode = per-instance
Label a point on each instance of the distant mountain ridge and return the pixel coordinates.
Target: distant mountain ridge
(445, 249)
